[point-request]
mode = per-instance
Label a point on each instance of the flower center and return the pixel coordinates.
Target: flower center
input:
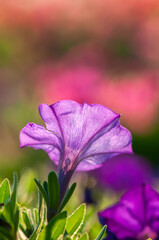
(147, 233)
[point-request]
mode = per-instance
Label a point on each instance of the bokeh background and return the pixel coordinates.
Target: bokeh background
(94, 51)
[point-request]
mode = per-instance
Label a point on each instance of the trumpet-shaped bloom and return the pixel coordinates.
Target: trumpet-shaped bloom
(135, 216)
(77, 135)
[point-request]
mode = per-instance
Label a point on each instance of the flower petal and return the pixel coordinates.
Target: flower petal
(80, 122)
(91, 132)
(120, 221)
(141, 202)
(50, 119)
(112, 140)
(84, 133)
(37, 137)
(137, 211)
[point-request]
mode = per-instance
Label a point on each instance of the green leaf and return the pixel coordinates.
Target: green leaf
(27, 220)
(40, 202)
(16, 220)
(41, 220)
(53, 191)
(35, 216)
(10, 213)
(7, 213)
(5, 234)
(4, 191)
(45, 185)
(41, 190)
(14, 191)
(67, 196)
(100, 235)
(54, 228)
(84, 237)
(75, 220)
(2, 237)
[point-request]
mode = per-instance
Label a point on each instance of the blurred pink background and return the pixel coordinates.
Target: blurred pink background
(91, 51)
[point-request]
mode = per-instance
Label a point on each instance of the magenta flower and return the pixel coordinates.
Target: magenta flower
(82, 136)
(112, 174)
(135, 216)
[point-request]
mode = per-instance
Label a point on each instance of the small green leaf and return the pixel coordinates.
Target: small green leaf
(35, 216)
(45, 185)
(53, 191)
(40, 201)
(54, 228)
(84, 237)
(41, 190)
(27, 221)
(75, 220)
(4, 191)
(100, 235)
(7, 213)
(16, 220)
(41, 220)
(67, 196)
(14, 191)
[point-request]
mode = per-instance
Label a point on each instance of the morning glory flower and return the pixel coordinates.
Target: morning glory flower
(79, 136)
(135, 216)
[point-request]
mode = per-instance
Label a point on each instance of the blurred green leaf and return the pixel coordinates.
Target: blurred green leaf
(54, 228)
(10, 213)
(16, 220)
(35, 216)
(41, 190)
(5, 234)
(84, 237)
(45, 185)
(67, 196)
(53, 193)
(4, 191)
(100, 235)
(14, 191)
(27, 220)
(41, 220)
(75, 220)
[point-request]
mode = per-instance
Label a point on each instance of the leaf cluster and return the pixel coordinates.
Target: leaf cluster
(48, 221)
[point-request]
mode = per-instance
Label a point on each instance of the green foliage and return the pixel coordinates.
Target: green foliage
(75, 221)
(100, 235)
(55, 228)
(50, 191)
(9, 214)
(28, 221)
(84, 237)
(4, 191)
(67, 196)
(42, 190)
(22, 223)
(53, 194)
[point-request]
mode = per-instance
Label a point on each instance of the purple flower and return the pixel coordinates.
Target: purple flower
(82, 136)
(135, 216)
(113, 175)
